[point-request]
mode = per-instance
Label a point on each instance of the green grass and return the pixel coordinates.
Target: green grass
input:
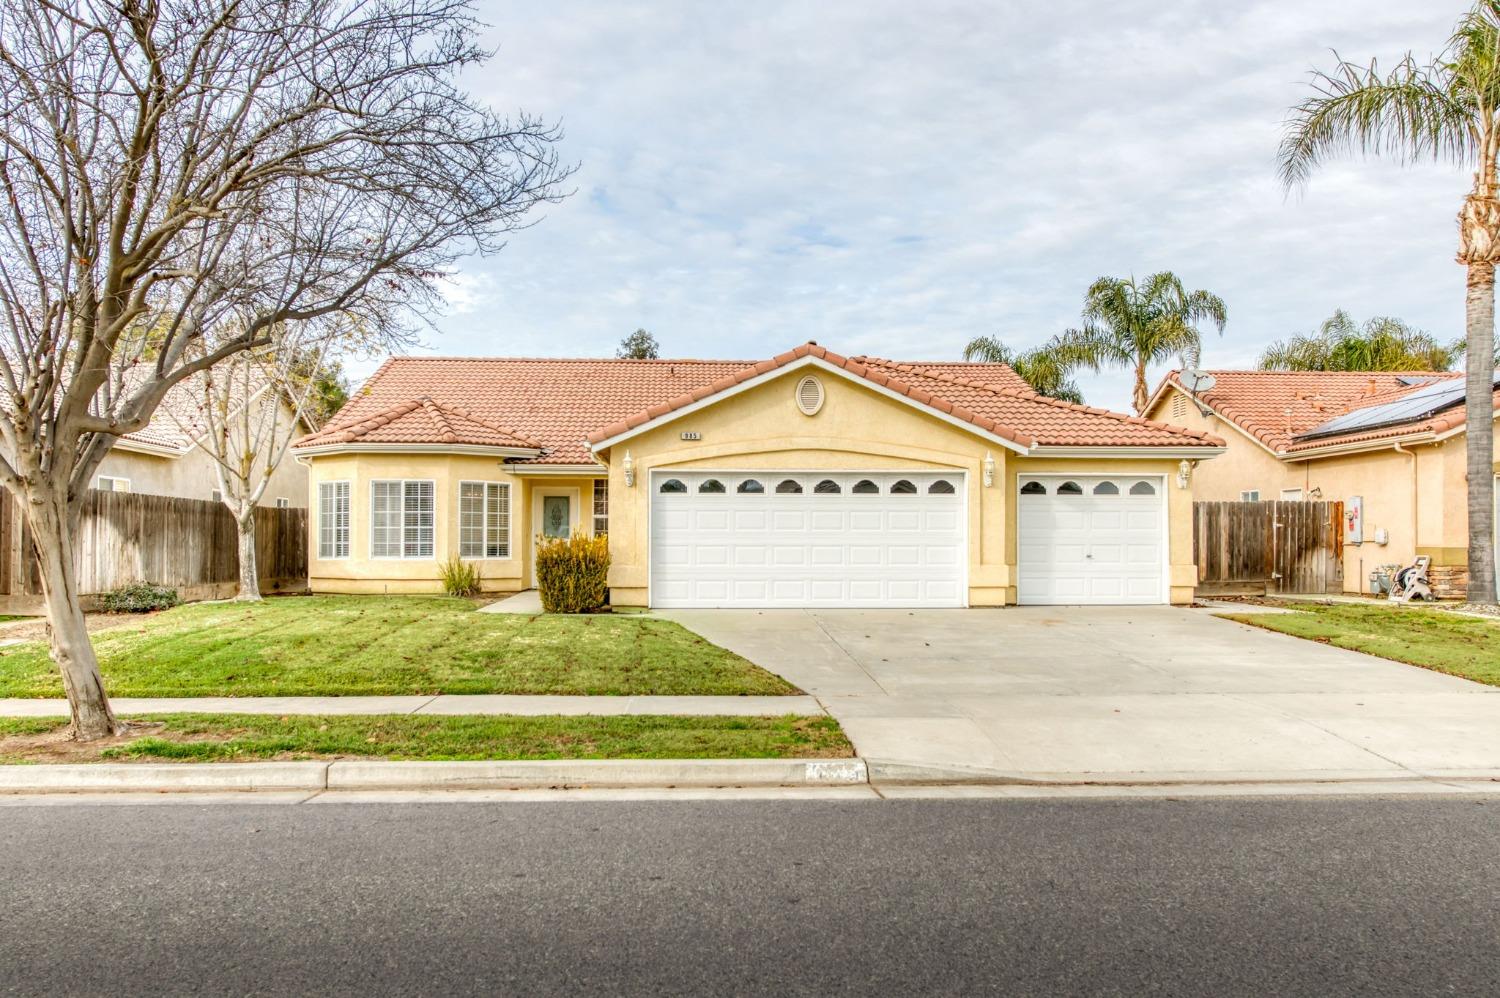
(1434, 639)
(246, 737)
(392, 645)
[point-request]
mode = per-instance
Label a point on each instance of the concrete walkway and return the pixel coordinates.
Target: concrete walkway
(1127, 694)
(446, 704)
(528, 602)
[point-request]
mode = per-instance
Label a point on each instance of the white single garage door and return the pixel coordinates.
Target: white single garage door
(798, 538)
(1091, 539)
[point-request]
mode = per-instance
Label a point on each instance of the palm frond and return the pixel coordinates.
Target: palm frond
(988, 350)
(1383, 343)
(1413, 112)
(1092, 347)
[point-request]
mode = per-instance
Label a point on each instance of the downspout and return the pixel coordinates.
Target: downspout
(1413, 455)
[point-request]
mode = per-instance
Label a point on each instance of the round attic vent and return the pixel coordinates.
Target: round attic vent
(809, 395)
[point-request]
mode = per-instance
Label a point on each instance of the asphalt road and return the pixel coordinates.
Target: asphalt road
(1203, 897)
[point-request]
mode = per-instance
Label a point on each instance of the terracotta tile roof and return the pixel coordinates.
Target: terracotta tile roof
(420, 421)
(555, 402)
(564, 405)
(179, 419)
(997, 375)
(1439, 422)
(1275, 406)
(1009, 401)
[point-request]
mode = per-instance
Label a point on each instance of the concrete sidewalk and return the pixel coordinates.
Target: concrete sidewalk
(531, 706)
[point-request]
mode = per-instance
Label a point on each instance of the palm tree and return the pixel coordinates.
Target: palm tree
(1448, 109)
(1381, 344)
(1126, 324)
(1040, 367)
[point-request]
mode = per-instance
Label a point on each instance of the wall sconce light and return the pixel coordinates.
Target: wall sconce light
(1184, 473)
(629, 467)
(989, 470)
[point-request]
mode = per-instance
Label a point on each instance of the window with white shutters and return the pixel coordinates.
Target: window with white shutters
(333, 519)
(401, 519)
(484, 520)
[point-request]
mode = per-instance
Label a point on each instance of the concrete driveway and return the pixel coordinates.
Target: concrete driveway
(1130, 694)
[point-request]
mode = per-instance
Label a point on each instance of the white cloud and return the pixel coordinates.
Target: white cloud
(897, 178)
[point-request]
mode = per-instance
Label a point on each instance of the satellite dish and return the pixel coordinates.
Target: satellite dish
(1197, 381)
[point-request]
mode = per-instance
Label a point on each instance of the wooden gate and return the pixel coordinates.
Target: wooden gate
(1255, 548)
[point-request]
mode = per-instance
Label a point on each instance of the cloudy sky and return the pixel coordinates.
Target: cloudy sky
(896, 178)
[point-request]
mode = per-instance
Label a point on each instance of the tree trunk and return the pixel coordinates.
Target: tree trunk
(249, 571)
(1141, 396)
(1479, 411)
(72, 651)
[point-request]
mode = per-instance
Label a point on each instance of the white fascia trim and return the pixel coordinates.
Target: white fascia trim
(823, 365)
(141, 447)
(480, 449)
(1138, 453)
(1459, 429)
(1377, 444)
(559, 470)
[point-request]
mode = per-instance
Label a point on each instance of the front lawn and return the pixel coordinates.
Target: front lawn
(254, 737)
(1434, 639)
(392, 645)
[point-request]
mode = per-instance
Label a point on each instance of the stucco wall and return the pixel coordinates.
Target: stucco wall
(359, 573)
(193, 476)
(1243, 466)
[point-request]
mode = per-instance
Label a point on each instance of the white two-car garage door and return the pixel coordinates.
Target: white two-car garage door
(1089, 539)
(798, 538)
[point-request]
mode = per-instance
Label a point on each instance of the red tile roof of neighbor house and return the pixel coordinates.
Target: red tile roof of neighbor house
(180, 419)
(1439, 422)
(564, 405)
(1275, 407)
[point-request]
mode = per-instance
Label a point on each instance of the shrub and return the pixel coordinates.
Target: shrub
(572, 574)
(139, 597)
(459, 577)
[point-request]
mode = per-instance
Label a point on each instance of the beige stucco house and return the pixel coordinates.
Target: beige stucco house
(1389, 445)
(807, 479)
(163, 459)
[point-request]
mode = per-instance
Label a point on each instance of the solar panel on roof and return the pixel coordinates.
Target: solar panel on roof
(1423, 402)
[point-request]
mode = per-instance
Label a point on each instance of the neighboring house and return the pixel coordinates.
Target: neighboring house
(163, 460)
(1392, 442)
(807, 479)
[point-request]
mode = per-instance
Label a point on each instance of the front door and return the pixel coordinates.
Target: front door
(554, 512)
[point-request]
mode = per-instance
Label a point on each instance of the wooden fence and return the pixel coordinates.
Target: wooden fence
(1254, 548)
(190, 544)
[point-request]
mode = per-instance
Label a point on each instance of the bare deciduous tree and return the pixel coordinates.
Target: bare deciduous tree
(246, 413)
(181, 178)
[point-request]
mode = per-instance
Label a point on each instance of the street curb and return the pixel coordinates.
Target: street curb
(888, 772)
(164, 777)
(384, 775)
(361, 775)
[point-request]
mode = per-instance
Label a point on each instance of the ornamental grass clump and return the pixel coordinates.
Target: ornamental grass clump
(460, 578)
(572, 573)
